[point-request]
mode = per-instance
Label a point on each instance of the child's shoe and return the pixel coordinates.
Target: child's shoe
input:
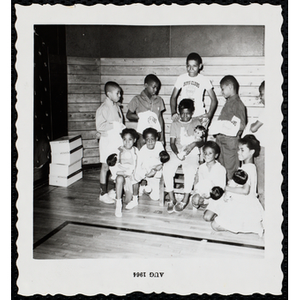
(170, 207)
(180, 206)
(112, 194)
(147, 189)
(132, 204)
(106, 199)
(144, 189)
(118, 210)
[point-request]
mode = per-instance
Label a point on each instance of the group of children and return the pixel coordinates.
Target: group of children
(220, 176)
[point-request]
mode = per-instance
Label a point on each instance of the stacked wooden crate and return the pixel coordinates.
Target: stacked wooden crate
(66, 160)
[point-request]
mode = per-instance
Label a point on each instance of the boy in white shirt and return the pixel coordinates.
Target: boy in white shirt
(150, 162)
(192, 85)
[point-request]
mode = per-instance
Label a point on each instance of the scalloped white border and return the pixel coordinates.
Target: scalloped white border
(182, 276)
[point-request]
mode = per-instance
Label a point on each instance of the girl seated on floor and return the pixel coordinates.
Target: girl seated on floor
(180, 131)
(242, 212)
(150, 162)
(122, 166)
(210, 174)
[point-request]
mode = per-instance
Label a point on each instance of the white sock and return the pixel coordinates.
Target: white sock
(118, 210)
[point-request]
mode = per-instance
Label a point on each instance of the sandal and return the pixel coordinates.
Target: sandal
(180, 206)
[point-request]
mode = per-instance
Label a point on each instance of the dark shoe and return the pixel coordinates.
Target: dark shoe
(203, 206)
(170, 207)
(180, 206)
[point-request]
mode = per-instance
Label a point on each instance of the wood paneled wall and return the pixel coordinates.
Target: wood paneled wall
(87, 76)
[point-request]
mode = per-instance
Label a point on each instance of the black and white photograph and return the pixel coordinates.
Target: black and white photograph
(149, 149)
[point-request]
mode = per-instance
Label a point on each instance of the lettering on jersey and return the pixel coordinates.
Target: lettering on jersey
(191, 83)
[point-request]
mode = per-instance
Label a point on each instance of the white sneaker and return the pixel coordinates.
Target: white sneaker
(132, 204)
(112, 194)
(147, 189)
(106, 199)
(118, 210)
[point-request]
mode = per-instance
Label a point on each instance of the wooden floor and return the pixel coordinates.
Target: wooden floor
(72, 223)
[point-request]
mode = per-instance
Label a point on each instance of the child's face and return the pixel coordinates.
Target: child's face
(152, 88)
(227, 90)
(114, 95)
(193, 68)
(198, 133)
(185, 115)
(209, 154)
(150, 141)
(128, 141)
(262, 95)
(244, 153)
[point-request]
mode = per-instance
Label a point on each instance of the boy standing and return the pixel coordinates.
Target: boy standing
(233, 107)
(109, 124)
(193, 85)
(147, 108)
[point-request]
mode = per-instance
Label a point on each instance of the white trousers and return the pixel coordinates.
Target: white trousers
(189, 166)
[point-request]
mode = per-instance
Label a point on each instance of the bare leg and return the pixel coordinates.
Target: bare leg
(104, 197)
(103, 173)
(120, 181)
(186, 198)
(135, 188)
(172, 197)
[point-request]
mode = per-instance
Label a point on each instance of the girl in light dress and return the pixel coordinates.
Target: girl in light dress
(122, 166)
(242, 212)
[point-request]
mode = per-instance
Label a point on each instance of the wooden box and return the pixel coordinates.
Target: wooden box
(66, 144)
(65, 170)
(65, 181)
(67, 158)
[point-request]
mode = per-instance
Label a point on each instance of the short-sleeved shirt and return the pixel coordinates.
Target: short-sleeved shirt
(150, 157)
(142, 103)
(216, 175)
(234, 107)
(184, 131)
(147, 159)
(193, 88)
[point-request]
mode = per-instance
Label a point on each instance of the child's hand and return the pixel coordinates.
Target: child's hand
(189, 148)
(151, 173)
(175, 117)
(98, 135)
(204, 119)
(158, 167)
(152, 120)
(181, 156)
